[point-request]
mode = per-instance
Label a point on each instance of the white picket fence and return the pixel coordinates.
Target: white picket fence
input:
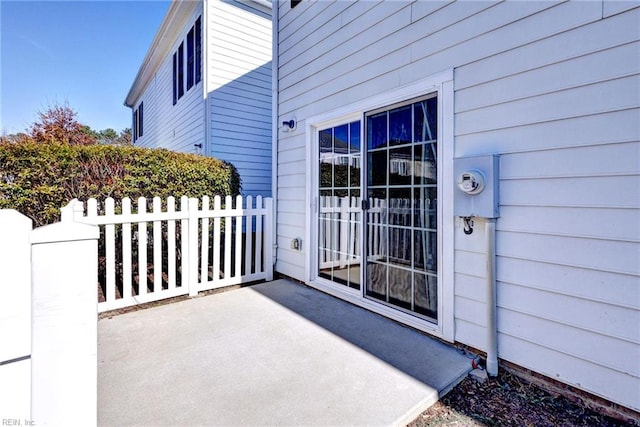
(178, 250)
(339, 231)
(339, 220)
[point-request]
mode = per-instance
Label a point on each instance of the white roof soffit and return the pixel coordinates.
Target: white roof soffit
(266, 3)
(173, 22)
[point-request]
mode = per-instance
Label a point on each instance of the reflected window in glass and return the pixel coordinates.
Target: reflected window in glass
(400, 125)
(377, 131)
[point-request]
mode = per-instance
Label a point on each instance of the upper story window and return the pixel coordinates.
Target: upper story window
(181, 70)
(190, 58)
(175, 78)
(198, 42)
(192, 67)
(138, 122)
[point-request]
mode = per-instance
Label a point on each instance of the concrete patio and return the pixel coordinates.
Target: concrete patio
(278, 353)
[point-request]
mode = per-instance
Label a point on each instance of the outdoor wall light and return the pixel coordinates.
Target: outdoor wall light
(296, 244)
(288, 125)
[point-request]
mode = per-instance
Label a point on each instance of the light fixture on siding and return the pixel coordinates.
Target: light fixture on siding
(288, 125)
(296, 244)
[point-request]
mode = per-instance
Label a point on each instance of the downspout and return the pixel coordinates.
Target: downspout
(205, 76)
(274, 123)
(492, 325)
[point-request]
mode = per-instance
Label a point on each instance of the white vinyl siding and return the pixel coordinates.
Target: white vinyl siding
(239, 91)
(175, 127)
(554, 88)
(230, 118)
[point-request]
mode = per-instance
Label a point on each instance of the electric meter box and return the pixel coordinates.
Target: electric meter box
(476, 186)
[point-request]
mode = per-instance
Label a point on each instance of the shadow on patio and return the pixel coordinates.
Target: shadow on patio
(277, 353)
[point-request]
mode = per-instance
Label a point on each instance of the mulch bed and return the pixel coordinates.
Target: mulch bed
(508, 401)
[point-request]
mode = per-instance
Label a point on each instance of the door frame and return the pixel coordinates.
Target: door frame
(442, 84)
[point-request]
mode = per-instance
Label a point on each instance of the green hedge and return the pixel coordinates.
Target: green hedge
(38, 179)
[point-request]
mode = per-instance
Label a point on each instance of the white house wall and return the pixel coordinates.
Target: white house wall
(554, 88)
(175, 127)
(239, 90)
(230, 118)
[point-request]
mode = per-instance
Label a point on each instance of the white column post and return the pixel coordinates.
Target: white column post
(269, 250)
(73, 211)
(15, 316)
(193, 248)
(64, 324)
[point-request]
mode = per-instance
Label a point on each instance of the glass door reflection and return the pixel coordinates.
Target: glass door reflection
(339, 210)
(401, 246)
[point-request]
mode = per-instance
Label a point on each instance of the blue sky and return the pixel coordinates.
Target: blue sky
(84, 53)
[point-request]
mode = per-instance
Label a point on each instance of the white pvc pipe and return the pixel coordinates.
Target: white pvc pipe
(492, 326)
(274, 123)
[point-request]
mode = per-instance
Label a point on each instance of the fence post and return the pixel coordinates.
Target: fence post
(15, 316)
(193, 247)
(268, 239)
(74, 211)
(64, 324)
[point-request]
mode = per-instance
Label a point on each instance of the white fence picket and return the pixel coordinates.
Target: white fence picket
(216, 240)
(192, 252)
(228, 227)
(171, 245)
(126, 250)
(142, 248)
(238, 239)
(157, 247)
(184, 241)
(248, 238)
(258, 249)
(110, 249)
(204, 247)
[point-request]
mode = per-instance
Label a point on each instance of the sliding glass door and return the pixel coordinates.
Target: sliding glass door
(384, 229)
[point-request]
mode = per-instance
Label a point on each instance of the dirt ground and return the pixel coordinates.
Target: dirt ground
(509, 401)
